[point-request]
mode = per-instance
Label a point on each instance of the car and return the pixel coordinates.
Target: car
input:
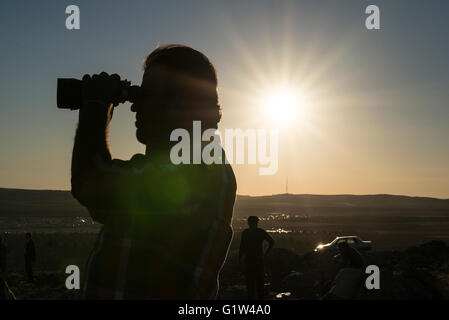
(352, 241)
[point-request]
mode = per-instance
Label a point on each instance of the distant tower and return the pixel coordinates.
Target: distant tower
(286, 186)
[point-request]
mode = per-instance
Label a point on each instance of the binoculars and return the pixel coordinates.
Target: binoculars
(70, 93)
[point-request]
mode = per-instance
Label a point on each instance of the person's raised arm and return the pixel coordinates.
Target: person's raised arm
(91, 151)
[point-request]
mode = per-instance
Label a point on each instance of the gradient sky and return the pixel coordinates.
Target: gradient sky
(376, 112)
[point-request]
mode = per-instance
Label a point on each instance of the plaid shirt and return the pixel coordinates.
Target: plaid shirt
(166, 228)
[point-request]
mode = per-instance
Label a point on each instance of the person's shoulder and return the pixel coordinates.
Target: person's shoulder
(230, 176)
(137, 161)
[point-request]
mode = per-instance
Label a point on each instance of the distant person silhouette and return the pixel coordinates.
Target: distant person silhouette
(3, 257)
(251, 251)
(30, 257)
(166, 226)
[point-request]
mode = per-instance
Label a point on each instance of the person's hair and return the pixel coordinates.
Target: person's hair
(252, 219)
(28, 234)
(194, 79)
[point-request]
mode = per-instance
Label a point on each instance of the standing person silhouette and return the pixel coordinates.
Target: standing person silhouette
(3, 257)
(30, 257)
(166, 226)
(251, 251)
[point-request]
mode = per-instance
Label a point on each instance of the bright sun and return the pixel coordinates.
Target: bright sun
(282, 106)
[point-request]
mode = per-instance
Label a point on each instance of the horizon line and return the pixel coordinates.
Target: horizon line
(278, 194)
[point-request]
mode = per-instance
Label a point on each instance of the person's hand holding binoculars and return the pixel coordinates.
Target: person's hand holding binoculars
(101, 89)
(99, 96)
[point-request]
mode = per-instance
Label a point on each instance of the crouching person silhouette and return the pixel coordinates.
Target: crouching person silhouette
(349, 279)
(166, 227)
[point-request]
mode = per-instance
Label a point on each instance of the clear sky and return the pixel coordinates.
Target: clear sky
(374, 115)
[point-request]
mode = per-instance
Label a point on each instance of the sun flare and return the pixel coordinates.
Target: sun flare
(282, 106)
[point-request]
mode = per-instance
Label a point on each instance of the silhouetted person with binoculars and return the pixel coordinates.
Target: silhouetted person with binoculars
(166, 227)
(251, 252)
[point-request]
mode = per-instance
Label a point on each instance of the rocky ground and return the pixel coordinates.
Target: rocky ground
(47, 286)
(419, 272)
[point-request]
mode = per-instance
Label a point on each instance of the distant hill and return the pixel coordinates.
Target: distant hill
(344, 204)
(18, 202)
